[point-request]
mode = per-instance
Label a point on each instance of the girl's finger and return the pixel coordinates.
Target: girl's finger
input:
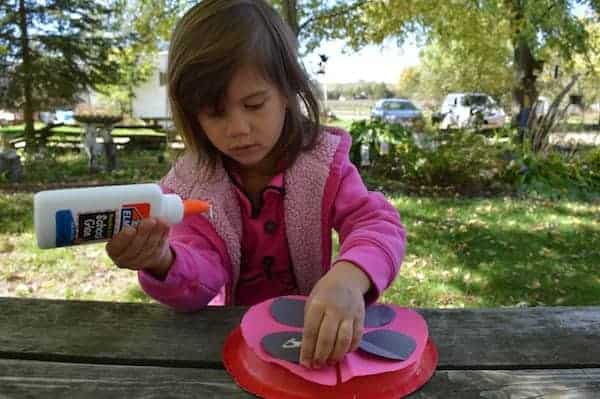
(118, 245)
(163, 224)
(312, 323)
(343, 341)
(358, 329)
(326, 341)
(154, 248)
(137, 247)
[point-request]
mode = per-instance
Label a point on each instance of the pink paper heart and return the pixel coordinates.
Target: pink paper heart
(258, 322)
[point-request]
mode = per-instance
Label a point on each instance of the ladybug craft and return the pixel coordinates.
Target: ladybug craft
(395, 357)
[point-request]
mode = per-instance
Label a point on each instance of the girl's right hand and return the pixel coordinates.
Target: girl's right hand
(145, 247)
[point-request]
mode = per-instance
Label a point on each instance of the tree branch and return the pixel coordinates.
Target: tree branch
(332, 14)
(547, 12)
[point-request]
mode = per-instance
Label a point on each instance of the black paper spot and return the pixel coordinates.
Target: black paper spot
(388, 344)
(288, 311)
(283, 345)
(379, 316)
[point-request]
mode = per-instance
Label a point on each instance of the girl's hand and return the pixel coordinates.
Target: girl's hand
(145, 247)
(334, 316)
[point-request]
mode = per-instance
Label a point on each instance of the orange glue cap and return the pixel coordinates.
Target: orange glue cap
(194, 207)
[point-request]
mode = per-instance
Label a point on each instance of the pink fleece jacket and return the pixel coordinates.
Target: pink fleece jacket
(324, 191)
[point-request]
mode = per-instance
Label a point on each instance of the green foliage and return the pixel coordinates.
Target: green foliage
(136, 63)
(4, 177)
(410, 83)
(479, 66)
(372, 134)
(147, 26)
(586, 66)
(67, 47)
(153, 21)
(314, 20)
(555, 176)
(485, 37)
(458, 162)
(469, 163)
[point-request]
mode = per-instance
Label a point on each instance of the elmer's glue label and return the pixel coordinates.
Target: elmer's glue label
(86, 215)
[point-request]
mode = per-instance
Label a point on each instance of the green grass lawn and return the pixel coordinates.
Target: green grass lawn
(66, 130)
(72, 168)
(343, 123)
(73, 134)
(461, 252)
(83, 272)
(498, 252)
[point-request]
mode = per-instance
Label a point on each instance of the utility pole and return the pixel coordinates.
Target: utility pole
(322, 64)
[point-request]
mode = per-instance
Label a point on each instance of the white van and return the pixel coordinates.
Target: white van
(471, 110)
(6, 117)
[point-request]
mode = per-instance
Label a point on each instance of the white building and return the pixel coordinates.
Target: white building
(150, 100)
(6, 116)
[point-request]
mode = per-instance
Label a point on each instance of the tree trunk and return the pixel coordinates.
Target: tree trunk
(525, 92)
(525, 89)
(289, 10)
(130, 97)
(25, 76)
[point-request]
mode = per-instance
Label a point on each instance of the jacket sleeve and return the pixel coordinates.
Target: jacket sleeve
(370, 231)
(198, 272)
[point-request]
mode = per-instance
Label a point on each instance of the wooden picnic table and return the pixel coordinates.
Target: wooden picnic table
(72, 349)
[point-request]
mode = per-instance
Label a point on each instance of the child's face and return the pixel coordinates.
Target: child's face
(250, 121)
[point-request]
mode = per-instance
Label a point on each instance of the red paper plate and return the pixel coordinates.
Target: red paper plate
(271, 381)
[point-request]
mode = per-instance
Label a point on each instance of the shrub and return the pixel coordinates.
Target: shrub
(554, 175)
(460, 162)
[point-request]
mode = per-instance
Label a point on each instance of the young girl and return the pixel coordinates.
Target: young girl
(278, 183)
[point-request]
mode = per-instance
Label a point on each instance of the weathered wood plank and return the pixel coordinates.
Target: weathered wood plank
(35, 379)
(513, 384)
(109, 332)
(543, 337)
(123, 333)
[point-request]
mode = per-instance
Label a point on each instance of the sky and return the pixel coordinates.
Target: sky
(373, 63)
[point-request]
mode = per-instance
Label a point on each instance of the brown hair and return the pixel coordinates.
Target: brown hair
(212, 40)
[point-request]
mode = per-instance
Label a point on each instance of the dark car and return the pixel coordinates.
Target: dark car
(397, 110)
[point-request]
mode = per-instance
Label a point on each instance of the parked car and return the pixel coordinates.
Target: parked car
(470, 110)
(65, 116)
(6, 117)
(397, 110)
(542, 106)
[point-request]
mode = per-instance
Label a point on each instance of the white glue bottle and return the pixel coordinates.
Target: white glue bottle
(94, 214)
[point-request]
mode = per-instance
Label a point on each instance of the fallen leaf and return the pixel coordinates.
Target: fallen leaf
(11, 278)
(6, 246)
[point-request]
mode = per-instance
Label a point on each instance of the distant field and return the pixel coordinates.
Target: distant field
(351, 109)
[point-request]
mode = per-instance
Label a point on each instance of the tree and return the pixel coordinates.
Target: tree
(314, 20)
(538, 28)
(532, 28)
(409, 82)
(451, 66)
(53, 51)
(588, 66)
(145, 26)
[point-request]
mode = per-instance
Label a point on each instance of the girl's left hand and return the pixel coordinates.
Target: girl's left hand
(334, 316)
